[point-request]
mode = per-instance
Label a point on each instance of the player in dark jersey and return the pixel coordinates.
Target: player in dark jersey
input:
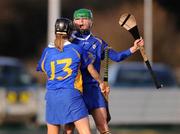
(93, 98)
(62, 63)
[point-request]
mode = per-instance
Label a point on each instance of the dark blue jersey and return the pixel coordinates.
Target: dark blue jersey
(96, 47)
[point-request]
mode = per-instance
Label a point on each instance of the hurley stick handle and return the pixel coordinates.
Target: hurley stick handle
(143, 53)
(106, 65)
(106, 97)
(145, 58)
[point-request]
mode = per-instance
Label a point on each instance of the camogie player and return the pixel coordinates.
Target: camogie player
(61, 63)
(94, 100)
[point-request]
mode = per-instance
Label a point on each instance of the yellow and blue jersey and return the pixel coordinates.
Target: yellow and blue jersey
(64, 104)
(62, 68)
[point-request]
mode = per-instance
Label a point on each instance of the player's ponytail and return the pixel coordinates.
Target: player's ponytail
(59, 41)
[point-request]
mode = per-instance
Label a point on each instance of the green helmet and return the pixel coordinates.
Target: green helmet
(83, 13)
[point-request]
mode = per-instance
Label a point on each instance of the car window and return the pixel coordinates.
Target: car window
(142, 78)
(14, 76)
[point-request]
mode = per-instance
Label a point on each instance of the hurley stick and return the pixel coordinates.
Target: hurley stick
(128, 21)
(106, 63)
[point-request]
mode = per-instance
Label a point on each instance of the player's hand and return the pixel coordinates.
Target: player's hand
(137, 44)
(105, 89)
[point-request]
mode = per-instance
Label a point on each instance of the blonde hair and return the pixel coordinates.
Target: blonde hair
(59, 41)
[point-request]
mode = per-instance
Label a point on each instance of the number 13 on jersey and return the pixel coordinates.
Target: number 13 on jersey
(66, 68)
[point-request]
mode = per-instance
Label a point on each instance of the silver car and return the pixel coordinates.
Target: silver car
(18, 92)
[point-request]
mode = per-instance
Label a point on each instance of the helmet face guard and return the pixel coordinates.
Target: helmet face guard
(63, 26)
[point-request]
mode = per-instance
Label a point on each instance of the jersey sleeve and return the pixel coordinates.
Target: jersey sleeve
(114, 55)
(119, 56)
(40, 65)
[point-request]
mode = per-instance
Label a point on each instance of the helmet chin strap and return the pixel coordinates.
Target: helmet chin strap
(85, 31)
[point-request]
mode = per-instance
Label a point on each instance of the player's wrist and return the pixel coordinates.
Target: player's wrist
(100, 81)
(133, 49)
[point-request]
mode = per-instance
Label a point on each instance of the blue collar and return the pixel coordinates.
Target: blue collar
(81, 36)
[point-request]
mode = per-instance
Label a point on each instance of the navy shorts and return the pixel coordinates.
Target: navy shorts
(93, 97)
